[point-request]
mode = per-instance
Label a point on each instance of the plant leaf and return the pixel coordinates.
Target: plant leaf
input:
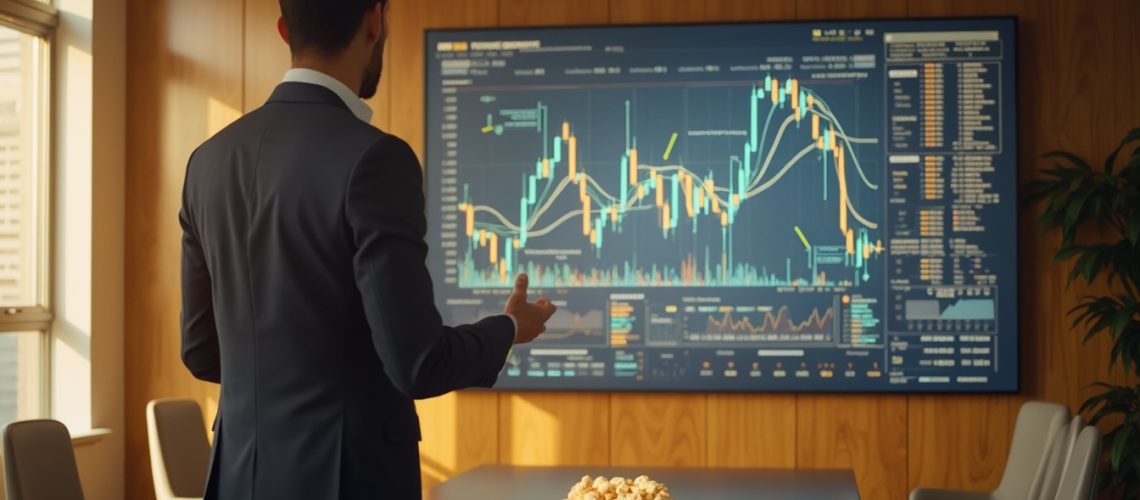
(1133, 233)
(1101, 324)
(1075, 160)
(1097, 400)
(1066, 252)
(1110, 162)
(1119, 442)
(1127, 347)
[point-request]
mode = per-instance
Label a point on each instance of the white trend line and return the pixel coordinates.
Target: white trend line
(859, 217)
(493, 211)
(570, 215)
(788, 166)
(764, 187)
(843, 133)
(546, 230)
(550, 201)
(772, 150)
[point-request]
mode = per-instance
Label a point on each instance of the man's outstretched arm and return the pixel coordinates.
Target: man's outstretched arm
(385, 213)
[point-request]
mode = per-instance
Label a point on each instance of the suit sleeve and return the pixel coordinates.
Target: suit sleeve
(200, 349)
(423, 358)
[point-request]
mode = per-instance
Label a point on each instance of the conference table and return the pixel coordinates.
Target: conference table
(506, 482)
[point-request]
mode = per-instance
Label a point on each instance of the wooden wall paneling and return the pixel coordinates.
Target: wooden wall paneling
(850, 9)
(1085, 131)
(1127, 41)
(864, 433)
(1093, 356)
(957, 442)
(553, 12)
(181, 92)
(682, 11)
(1113, 62)
(750, 10)
(381, 103)
(1056, 109)
(752, 430)
(953, 8)
(407, 21)
(266, 54)
(656, 11)
(554, 428)
(460, 429)
(665, 430)
(1039, 286)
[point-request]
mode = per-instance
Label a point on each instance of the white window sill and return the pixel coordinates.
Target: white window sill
(90, 437)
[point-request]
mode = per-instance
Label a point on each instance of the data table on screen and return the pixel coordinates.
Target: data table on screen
(808, 206)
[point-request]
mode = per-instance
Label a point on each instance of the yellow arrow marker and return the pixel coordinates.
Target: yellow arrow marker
(488, 129)
(669, 149)
(803, 238)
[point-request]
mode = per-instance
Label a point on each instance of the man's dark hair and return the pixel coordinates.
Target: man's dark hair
(326, 26)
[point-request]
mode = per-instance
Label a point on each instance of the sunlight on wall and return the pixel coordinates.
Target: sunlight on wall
(80, 8)
(71, 342)
(192, 113)
(219, 115)
(439, 450)
(208, 413)
(535, 434)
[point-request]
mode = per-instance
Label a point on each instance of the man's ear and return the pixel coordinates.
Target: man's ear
(374, 23)
(282, 30)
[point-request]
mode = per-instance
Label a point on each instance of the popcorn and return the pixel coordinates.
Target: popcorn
(618, 488)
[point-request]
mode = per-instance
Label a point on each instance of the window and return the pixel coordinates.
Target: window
(25, 317)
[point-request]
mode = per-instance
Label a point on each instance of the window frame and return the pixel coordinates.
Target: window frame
(38, 19)
(30, 16)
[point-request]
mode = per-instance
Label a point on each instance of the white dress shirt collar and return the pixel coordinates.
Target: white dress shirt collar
(314, 77)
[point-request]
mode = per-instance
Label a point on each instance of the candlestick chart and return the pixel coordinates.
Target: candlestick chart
(637, 216)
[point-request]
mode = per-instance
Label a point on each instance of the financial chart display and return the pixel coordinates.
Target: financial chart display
(817, 206)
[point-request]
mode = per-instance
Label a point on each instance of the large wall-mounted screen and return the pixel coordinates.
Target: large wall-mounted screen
(808, 206)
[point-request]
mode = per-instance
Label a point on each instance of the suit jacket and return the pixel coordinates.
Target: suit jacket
(305, 295)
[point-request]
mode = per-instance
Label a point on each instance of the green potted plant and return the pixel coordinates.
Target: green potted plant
(1097, 211)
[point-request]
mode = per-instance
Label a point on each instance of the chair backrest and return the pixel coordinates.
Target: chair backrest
(1056, 458)
(1075, 427)
(39, 462)
(1078, 478)
(179, 448)
(1038, 426)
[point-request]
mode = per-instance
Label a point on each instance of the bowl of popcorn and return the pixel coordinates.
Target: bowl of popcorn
(600, 488)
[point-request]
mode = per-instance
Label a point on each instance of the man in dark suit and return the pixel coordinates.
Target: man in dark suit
(304, 289)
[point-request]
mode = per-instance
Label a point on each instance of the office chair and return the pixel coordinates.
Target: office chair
(1080, 474)
(1058, 460)
(39, 462)
(179, 448)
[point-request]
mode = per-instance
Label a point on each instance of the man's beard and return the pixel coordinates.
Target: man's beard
(372, 73)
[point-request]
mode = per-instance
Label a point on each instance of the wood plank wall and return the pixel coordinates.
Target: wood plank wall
(194, 66)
